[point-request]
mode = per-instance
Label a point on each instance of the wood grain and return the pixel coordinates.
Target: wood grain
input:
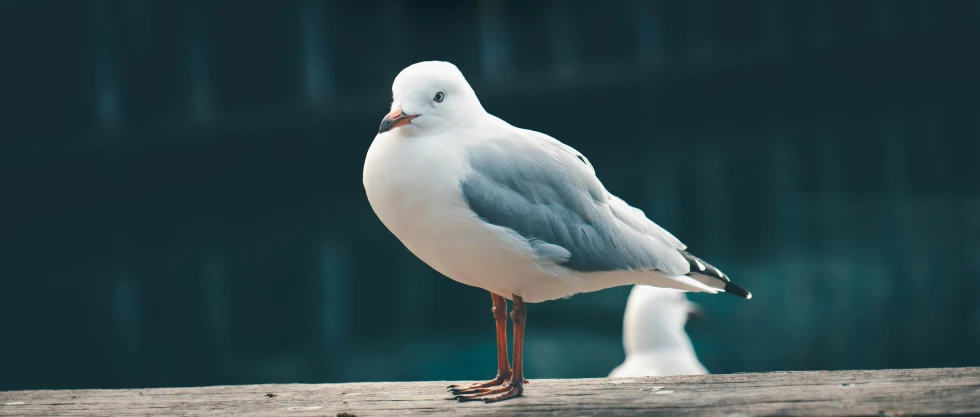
(838, 393)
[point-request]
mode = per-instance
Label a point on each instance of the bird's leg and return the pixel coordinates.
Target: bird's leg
(516, 385)
(503, 367)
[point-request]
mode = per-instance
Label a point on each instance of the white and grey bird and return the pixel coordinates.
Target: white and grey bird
(654, 338)
(509, 210)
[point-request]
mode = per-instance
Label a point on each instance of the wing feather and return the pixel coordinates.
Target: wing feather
(549, 194)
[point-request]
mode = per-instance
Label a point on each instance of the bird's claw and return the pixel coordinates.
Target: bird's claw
(465, 389)
(491, 395)
(471, 390)
(512, 392)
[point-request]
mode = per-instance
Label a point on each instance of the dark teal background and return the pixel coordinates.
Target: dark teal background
(181, 199)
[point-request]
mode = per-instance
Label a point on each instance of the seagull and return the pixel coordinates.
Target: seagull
(654, 337)
(509, 210)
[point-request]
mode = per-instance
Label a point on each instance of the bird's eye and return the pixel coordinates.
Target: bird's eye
(439, 96)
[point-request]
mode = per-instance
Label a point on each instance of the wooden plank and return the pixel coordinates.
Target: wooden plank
(887, 392)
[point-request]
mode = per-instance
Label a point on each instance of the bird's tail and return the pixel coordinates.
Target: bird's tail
(713, 277)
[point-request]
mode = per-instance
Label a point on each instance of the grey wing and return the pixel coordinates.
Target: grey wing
(549, 194)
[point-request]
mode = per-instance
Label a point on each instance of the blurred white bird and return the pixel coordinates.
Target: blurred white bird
(654, 337)
(510, 210)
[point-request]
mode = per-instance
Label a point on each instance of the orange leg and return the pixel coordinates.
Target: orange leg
(515, 387)
(503, 367)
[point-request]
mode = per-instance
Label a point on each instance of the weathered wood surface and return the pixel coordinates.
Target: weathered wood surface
(889, 392)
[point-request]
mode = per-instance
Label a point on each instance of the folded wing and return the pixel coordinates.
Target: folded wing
(548, 193)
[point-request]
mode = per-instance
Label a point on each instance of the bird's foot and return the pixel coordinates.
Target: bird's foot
(492, 394)
(472, 388)
(500, 380)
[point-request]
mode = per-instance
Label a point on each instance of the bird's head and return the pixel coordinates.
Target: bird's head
(673, 307)
(429, 97)
(655, 318)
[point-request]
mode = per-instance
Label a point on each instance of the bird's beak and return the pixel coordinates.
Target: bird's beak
(394, 119)
(695, 312)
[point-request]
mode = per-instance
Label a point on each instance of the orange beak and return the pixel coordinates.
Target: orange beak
(394, 119)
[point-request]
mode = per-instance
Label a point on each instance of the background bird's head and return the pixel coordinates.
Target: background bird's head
(655, 318)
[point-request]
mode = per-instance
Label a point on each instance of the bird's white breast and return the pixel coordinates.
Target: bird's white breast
(413, 185)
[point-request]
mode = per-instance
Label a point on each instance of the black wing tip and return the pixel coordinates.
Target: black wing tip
(699, 266)
(734, 289)
(703, 268)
